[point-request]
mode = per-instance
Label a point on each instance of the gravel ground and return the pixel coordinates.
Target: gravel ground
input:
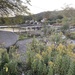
(23, 47)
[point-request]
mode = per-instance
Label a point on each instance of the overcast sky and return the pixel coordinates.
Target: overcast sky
(49, 5)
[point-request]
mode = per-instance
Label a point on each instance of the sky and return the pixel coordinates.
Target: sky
(49, 5)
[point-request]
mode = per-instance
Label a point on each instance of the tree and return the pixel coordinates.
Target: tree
(68, 15)
(13, 6)
(68, 11)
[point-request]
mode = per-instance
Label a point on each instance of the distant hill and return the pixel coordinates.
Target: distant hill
(60, 17)
(47, 14)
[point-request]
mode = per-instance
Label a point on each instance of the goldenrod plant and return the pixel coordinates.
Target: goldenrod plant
(51, 60)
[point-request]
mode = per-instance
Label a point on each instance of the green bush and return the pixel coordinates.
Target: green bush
(71, 70)
(49, 60)
(71, 35)
(8, 62)
(65, 27)
(23, 36)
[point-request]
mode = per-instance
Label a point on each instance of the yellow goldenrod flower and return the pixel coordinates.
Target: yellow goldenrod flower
(6, 69)
(50, 63)
(52, 46)
(43, 53)
(49, 49)
(60, 47)
(38, 56)
(70, 46)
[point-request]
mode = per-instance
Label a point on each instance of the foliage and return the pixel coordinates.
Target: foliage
(23, 36)
(72, 68)
(65, 28)
(16, 6)
(57, 38)
(50, 60)
(8, 62)
(71, 35)
(12, 20)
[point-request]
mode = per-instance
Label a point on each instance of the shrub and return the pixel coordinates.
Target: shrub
(8, 64)
(65, 27)
(71, 35)
(50, 60)
(71, 70)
